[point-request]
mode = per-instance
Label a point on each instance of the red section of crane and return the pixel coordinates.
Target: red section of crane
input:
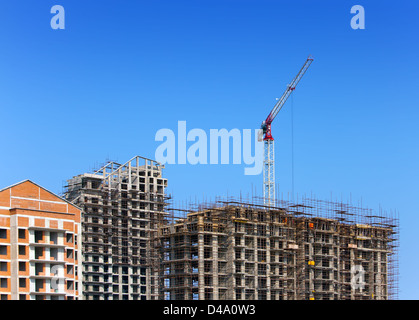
(266, 125)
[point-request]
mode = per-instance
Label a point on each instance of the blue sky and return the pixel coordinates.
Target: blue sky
(120, 71)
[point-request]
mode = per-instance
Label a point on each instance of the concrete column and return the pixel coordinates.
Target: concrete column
(352, 263)
(201, 278)
(379, 281)
(215, 266)
(268, 261)
(311, 258)
(230, 259)
(14, 264)
(255, 246)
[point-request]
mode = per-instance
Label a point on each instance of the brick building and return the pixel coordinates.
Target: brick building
(39, 244)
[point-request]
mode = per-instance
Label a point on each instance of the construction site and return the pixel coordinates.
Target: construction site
(137, 245)
(313, 250)
(123, 206)
(265, 249)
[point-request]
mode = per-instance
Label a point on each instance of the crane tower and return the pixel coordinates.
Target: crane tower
(269, 156)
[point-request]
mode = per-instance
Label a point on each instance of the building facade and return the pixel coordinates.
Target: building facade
(123, 205)
(311, 251)
(39, 245)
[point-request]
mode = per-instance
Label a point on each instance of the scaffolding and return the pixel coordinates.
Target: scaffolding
(123, 206)
(137, 245)
(313, 249)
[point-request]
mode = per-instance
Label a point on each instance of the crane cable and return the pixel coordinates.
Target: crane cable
(292, 146)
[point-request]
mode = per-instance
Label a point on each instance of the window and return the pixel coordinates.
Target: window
(38, 236)
(3, 233)
(39, 251)
(3, 266)
(22, 266)
(22, 297)
(39, 284)
(22, 282)
(22, 250)
(4, 297)
(95, 184)
(69, 269)
(53, 237)
(53, 252)
(39, 268)
(3, 250)
(3, 283)
(22, 233)
(70, 285)
(69, 254)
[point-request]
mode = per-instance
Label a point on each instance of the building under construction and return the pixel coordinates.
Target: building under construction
(135, 245)
(123, 205)
(311, 250)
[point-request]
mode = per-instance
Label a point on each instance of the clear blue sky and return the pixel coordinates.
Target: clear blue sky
(121, 70)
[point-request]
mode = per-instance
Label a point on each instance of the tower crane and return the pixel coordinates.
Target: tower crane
(266, 134)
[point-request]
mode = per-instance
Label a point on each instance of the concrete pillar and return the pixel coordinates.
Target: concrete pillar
(268, 260)
(311, 258)
(201, 278)
(215, 266)
(378, 281)
(255, 279)
(352, 263)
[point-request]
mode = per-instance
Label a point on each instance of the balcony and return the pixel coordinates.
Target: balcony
(54, 293)
(37, 228)
(46, 245)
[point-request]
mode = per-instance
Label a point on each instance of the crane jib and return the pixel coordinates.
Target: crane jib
(291, 87)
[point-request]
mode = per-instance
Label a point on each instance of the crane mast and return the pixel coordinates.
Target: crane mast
(269, 156)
